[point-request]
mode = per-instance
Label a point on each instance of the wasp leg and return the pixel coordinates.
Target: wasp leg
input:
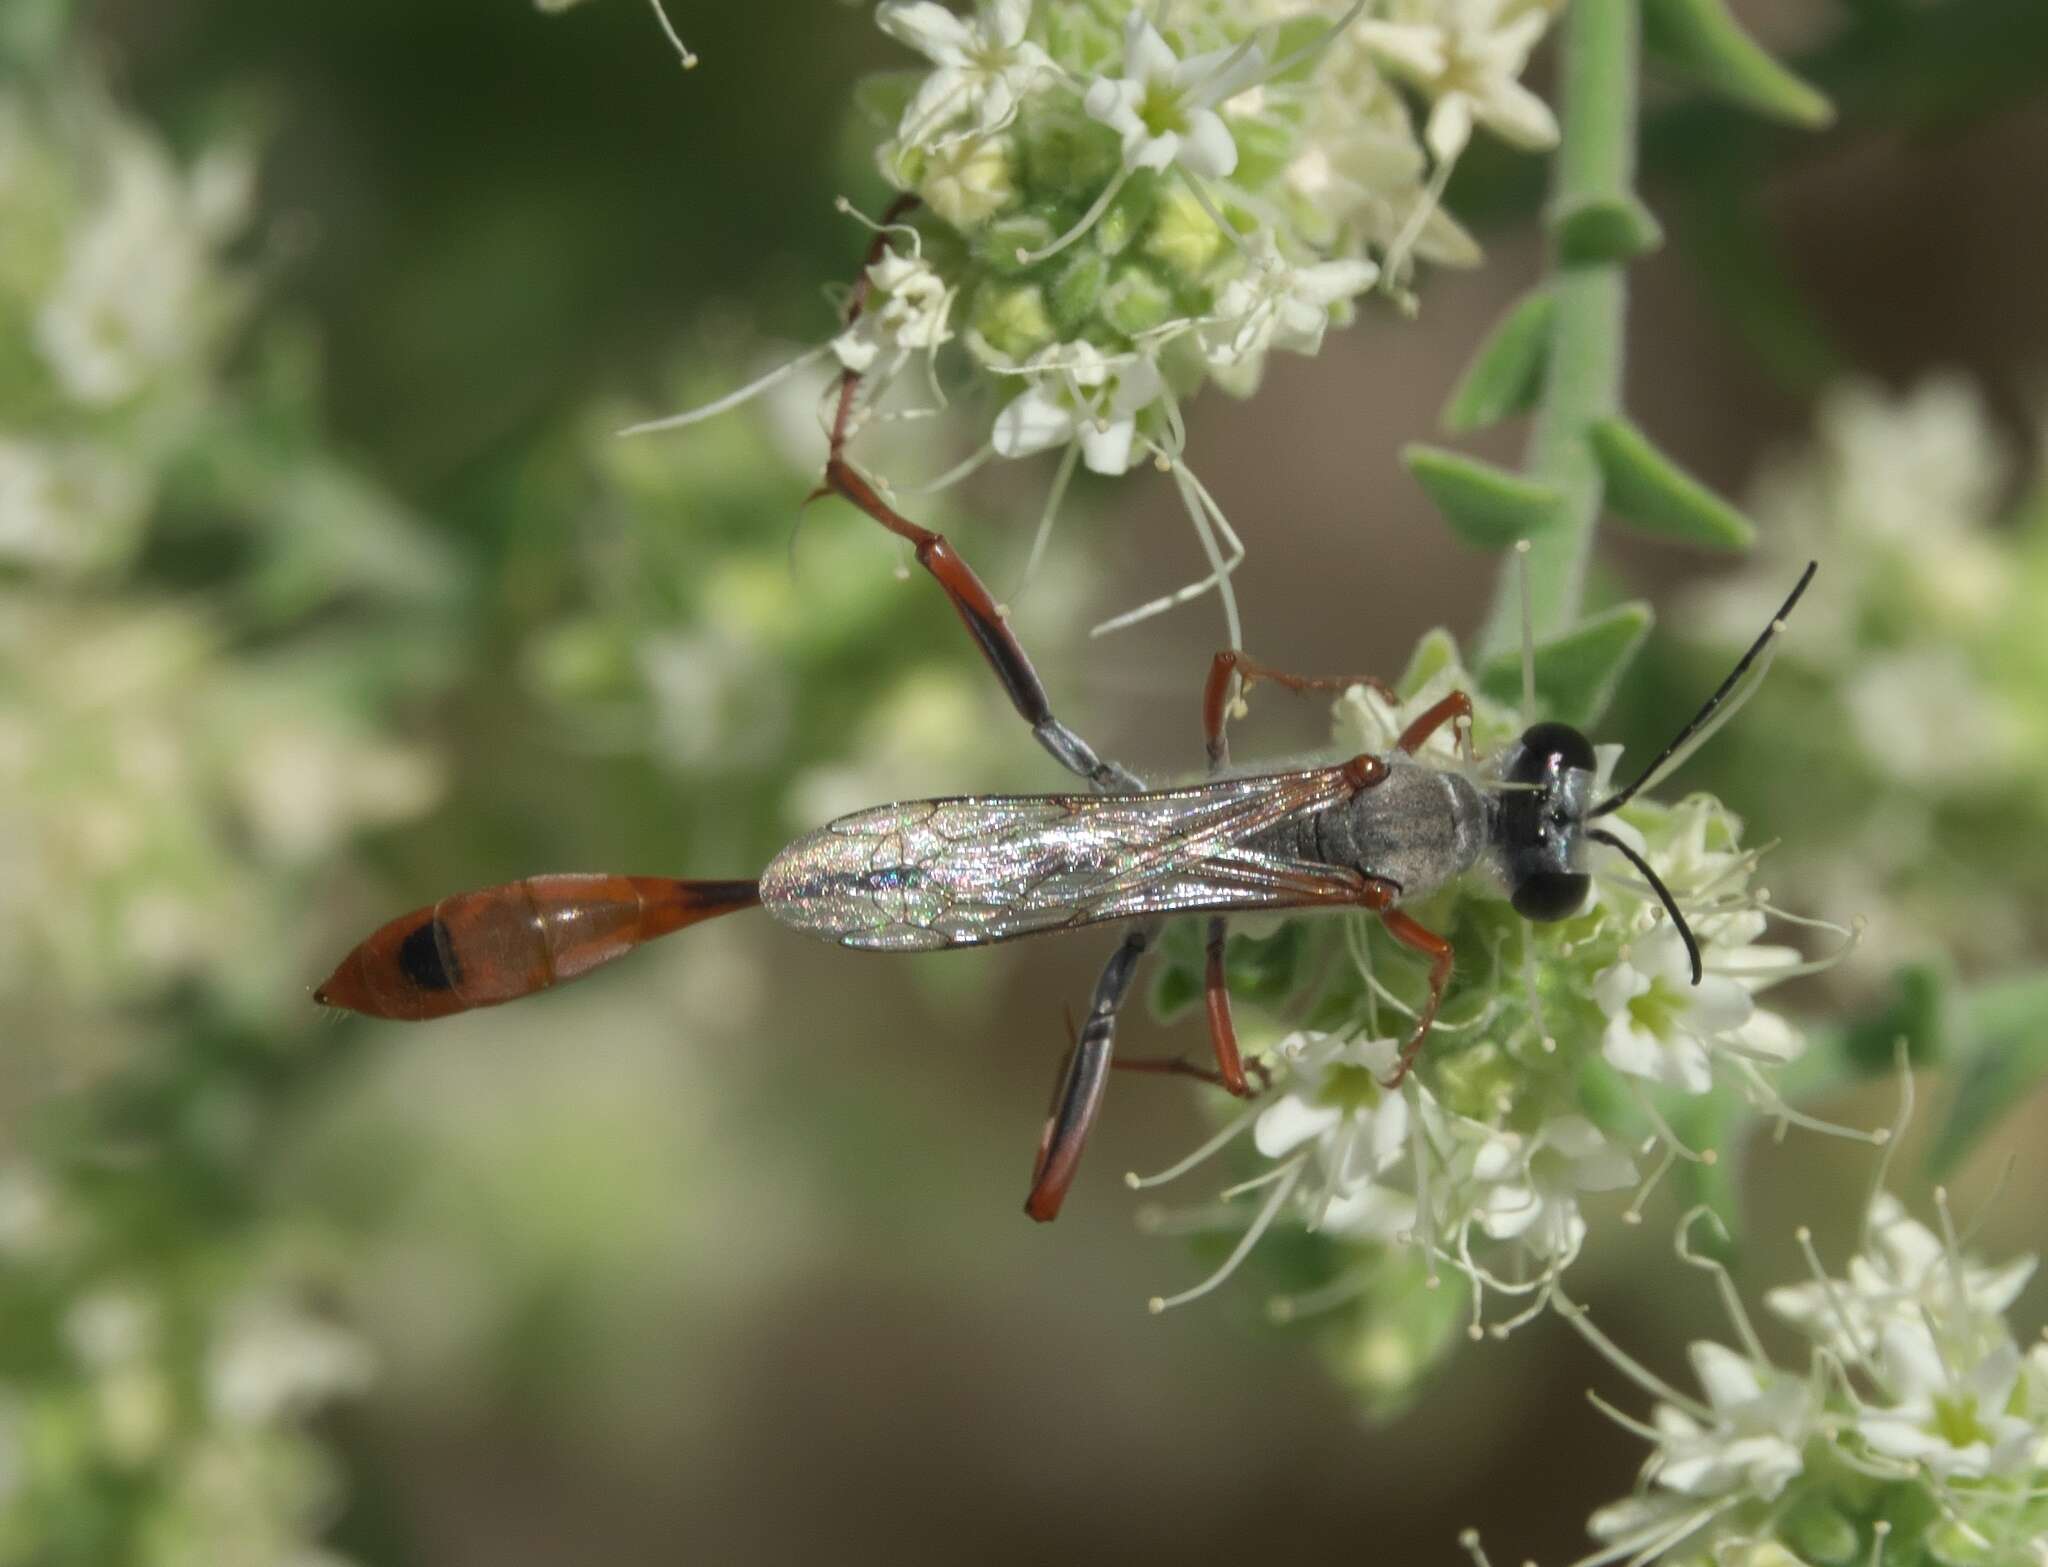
(1079, 1094)
(1247, 672)
(985, 623)
(1432, 946)
(969, 595)
(1216, 999)
(1456, 705)
(1181, 1066)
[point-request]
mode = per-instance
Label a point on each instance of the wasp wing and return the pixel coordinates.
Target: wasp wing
(961, 872)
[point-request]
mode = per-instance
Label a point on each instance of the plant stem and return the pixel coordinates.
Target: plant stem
(1595, 166)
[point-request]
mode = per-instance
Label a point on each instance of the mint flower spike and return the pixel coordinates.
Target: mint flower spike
(1165, 110)
(1917, 1433)
(1467, 57)
(985, 68)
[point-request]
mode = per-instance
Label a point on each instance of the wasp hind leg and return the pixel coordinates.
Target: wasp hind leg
(1079, 1094)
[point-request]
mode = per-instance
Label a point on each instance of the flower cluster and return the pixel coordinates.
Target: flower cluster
(195, 635)
(1109, 204)
(1909, 683)
(1917, 1433)
(1561, 1066)
(187, 1388)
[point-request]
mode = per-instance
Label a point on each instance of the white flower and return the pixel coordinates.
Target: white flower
(1076, 393)
(1957, 1422)
(905, 314)
(1279, 305)
(1762, 1419)
(272, 1362)
(1164, 106)
(1527, 1188)
(1906, 1275)
(984, 67)
(1467, 55)
(130, 302)
(1663, 1027)
(1334, 1100)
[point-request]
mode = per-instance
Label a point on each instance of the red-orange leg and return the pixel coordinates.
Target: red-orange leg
(1229, 667)
(1222, 1030)
(1416, 735)
(1418, 938)
(856, 302)
(1079, 1094)
(1247, 672)
(984, 622)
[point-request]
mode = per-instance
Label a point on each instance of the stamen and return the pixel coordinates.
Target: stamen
(1340, 1292)
(1031, 258)
(682, 51)
(1174, 1172)
(1053, 500)
(1633, 1213)
(1201, 510)
(1724, 1283)
(1903, 1065)
(1158, 1303)
(1208, 205)
(844, 206)
(1880, 1531)
(1468, 1539)
(1628, 1423)
(1670, 1139)
(1626, 1363)
(1767, 1098)
(952, 475)
(1844, 1325)
(751, 390)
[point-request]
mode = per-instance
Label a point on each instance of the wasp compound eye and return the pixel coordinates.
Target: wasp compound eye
(1548, 749)
(1547, 896)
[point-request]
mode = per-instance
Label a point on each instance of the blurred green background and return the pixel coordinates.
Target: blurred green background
(719, 1256)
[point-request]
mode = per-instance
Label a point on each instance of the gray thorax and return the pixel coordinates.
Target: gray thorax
(1419, 827)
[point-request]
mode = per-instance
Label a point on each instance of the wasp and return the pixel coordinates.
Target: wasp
(1373, 832)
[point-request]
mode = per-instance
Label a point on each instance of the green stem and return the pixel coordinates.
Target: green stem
(1595, 165)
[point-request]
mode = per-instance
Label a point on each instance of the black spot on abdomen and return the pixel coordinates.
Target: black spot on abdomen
(426, 958)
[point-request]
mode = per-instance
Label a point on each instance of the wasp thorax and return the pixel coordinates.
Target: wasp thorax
(1548, 779)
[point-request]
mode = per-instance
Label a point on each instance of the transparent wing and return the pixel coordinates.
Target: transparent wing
(960, 872)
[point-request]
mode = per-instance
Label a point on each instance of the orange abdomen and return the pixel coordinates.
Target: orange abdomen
(477, 949)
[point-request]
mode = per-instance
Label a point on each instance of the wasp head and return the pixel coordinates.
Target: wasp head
(1548, 786)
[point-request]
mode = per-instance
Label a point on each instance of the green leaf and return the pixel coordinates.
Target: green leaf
(1650, 492)
(1485, 505)
(1704, 41)
(1576, 673)
(1506, 375)
(1917, 1013)
(2004, 1059)
(1592, 230)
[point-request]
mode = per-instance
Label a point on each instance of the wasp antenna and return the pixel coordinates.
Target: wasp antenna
(1528, 634)
(1692, 947)
(1616, 801)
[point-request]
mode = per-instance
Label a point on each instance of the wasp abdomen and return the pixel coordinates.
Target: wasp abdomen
(478, 949)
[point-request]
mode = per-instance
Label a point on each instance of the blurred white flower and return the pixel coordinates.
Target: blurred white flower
(1075, 393)
(1164, 107)
(1904, 1273)
(132, 300)
(905, 314)
(271, 1362)
(984, 67)
(1467, 56)
(1276, 304)
(1662, 1027)
(1526, 1187)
